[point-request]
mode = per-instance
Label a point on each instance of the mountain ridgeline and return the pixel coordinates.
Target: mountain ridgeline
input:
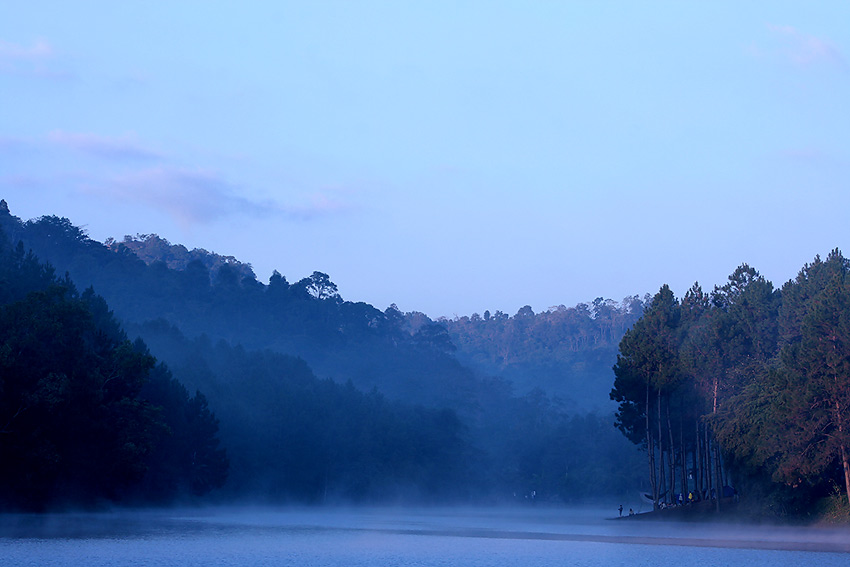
(303, 396)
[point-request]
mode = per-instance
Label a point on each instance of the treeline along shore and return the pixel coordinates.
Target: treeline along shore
(744, 392)
(176, 376)
(139, 372)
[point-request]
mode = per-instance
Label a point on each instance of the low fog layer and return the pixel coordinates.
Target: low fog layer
(579, 525)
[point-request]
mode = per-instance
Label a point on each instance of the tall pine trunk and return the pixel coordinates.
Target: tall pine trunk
(650, 449)
(662, 480)
(846, 463)
(718, 476)
(707, 479)
(695, 457)
(671, 459)
(683, 453)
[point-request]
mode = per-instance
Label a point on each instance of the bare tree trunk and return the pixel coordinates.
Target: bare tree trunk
(846, 463)
(707, 463)
(650, 450)
(683, 453)
(718, 475)
(662, 481)
(697, 458)
(671, 460)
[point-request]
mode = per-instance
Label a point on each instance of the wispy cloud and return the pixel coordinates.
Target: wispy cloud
(315, 205)
(806, 50)
(35, 60)
(199, 196)
(9, 144)
(40, 49)
(121, 148)
(190, 196)
(815, 156)
(134, 173)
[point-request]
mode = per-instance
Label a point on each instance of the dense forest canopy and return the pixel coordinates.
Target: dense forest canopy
(301, 395)
(152, 248)
(86, 415)
(317, 398)
(746, 385)
(566, 351)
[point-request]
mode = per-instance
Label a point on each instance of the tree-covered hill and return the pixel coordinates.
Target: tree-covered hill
(263, 355)
(293, 437)
(85, 415)
(151, 248)
(340, 339)
(747, 386)
(566, 351)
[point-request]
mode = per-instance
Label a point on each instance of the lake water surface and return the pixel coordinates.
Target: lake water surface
(431, 537)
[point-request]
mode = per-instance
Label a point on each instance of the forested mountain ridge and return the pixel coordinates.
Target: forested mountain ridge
(89, 417)
(566, 351)
(429, 428)
(85, 415)
(745, 385)
(307, 318)
(151, 248)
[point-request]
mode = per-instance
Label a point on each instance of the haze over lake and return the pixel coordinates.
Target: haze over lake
(401, 536)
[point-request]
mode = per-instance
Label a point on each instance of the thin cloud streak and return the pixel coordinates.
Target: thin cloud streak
(38, 60)
(806, 50)
(16, 52)
(199, 196)
(191, 196)
(12, 144)
(114, 148)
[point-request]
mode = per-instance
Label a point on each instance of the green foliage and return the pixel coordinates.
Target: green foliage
(292, 436)
(767, 371)
(75, 424)
(151, 248)
(566, 351)
(437, 428)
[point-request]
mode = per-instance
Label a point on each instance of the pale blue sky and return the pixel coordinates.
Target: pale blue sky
(450, 157)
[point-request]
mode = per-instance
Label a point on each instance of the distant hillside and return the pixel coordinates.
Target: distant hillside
(151, 248)
(503, 443)
(565, 351)
(339, 339)
(86, 415)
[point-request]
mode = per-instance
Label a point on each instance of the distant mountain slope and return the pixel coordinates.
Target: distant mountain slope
(85, 415)
(340, 339)
(517, 444)
(565, 351)
(151, 248)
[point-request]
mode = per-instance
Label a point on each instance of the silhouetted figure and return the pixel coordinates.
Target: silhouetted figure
(621, 510)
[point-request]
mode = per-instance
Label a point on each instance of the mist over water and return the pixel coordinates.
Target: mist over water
(403, 536)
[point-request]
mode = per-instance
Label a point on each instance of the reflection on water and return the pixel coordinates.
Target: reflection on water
(397, 536)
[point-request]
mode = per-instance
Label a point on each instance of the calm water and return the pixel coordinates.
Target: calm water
(403, 537)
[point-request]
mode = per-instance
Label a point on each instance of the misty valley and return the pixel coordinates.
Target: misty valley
(148, 393)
